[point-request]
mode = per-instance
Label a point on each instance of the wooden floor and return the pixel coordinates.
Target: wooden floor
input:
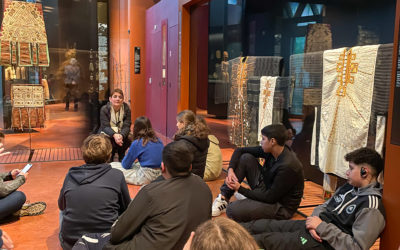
(56, 150)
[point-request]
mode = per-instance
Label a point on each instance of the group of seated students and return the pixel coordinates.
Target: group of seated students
(174, 207)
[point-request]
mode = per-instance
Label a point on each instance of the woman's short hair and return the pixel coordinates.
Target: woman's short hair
(119, 91)
(222, 233)
(96, 149)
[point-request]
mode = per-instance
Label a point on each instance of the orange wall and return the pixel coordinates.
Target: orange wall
(127, 30)
(137, 39)
(390, 237)
(119, 46)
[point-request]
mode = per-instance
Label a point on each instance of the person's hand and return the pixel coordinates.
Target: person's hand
(7, 241)
(25, 175)
(313, 222)
(15, 172)
(231, 176)
(118, 138)
(2, 153)
(315, 235)
(188, 242)
(234, 185)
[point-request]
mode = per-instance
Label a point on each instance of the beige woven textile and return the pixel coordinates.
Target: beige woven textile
(266, 101)
(23, 35)
(348, 78)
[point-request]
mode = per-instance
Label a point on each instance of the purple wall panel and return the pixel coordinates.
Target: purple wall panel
(172, 80)
(162, 100)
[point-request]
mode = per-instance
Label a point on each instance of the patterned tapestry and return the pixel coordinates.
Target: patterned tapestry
(318, 38)
(244, 94)
(266, 101)
(27, 106)
(306, 70)
(348, 83)
(380, 98)
(23, 35)
(242, 69)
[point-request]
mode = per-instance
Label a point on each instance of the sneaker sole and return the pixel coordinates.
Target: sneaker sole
(33, 209)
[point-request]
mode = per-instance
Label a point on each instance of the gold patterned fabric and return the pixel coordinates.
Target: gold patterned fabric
(23, 35)
(266, 102)
(27, 106)
(238, 110)
(348, 82)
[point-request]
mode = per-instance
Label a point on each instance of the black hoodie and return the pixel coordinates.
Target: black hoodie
(199, 148)
(91, 199)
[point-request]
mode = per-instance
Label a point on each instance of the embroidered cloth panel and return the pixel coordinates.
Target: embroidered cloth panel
(23, 35)
(266, 100)
(348, 78)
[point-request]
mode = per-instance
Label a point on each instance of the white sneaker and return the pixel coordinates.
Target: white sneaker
(219, 205)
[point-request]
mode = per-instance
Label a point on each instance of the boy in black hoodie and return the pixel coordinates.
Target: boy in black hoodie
(93, 195)
(352, 219)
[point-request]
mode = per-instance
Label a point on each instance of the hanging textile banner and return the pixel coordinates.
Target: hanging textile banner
(318, 38)
(23, 35)
(242, 69)
(348, 82)
(266, 101)
(27, 106)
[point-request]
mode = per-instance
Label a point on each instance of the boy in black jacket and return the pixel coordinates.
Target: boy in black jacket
(276, 187)
(352, 219)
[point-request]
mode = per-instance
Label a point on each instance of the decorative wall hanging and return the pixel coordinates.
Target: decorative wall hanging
(27, 106)
(266, 101)
(242, 69)
(243, 131)
(348, 83)
(318, 38)
(23, 35)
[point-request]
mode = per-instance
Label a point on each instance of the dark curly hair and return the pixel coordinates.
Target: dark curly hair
(366, 156)
(143, 130)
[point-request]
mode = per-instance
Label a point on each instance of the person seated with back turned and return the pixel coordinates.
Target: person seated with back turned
(195, 134)
(352, 219)
(115, 122)
(93, 195)
(276, 188)
(146, 148)
(164, 213)
(220, 233)
(12, 201)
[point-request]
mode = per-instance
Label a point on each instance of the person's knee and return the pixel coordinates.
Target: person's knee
(235, 212)
(20, 197)
(246, 157)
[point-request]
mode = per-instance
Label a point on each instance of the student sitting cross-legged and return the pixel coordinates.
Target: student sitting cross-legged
(146, 148)
(164, 213)
(276, 187)
(93, 195)
(352, 219)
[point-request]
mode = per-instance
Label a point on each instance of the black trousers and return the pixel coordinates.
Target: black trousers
(248, 209)
(283, 235)
(71, 91)
(11, 204)
(120, 150)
